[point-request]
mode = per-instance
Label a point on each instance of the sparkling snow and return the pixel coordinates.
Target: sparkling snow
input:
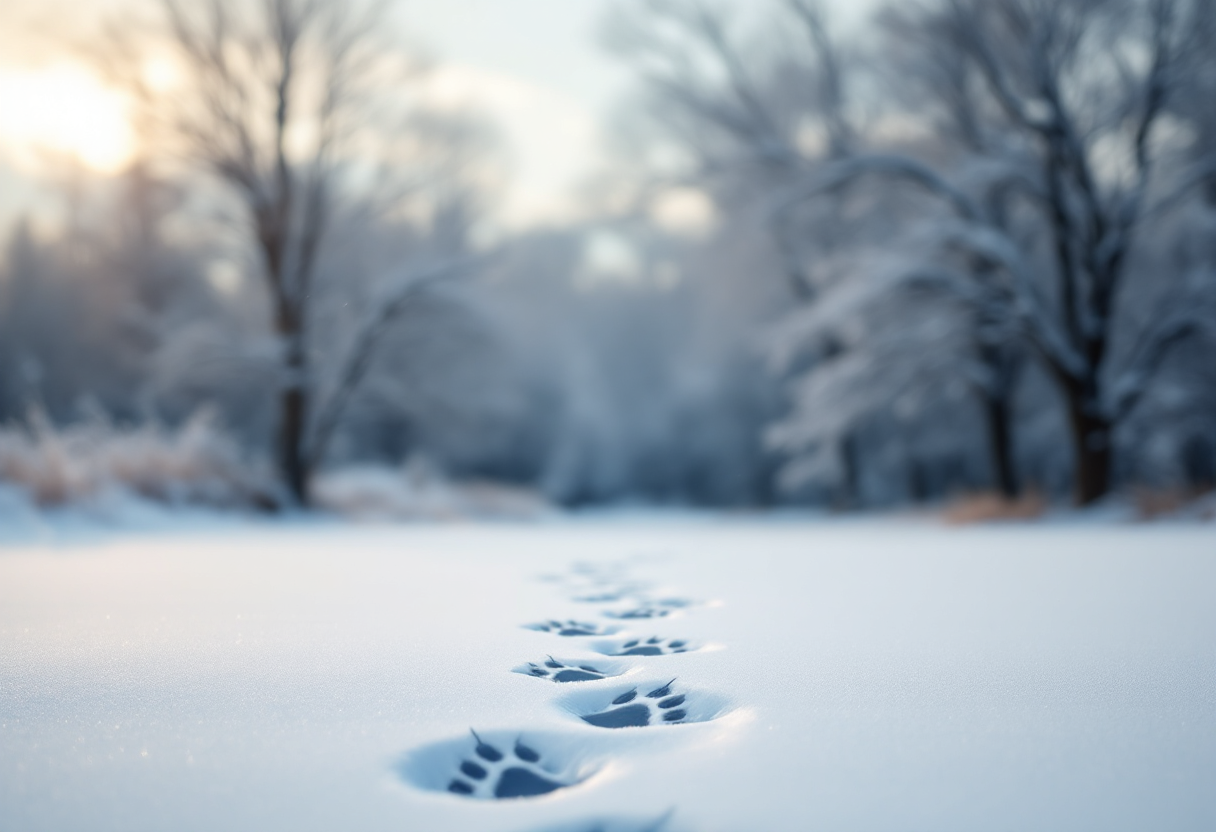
(836, 676)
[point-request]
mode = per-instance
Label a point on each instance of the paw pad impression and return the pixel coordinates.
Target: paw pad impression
(638, 613)
(655, 646)
(652, 703)
(570, 670)
(572, 628)
(490, 772)
(629, 710)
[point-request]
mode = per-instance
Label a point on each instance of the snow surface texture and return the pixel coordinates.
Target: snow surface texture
(832, 676)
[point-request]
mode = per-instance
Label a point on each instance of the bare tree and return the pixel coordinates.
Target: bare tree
(299, 109)
(1052, 122)
(750, 122)
(748, 127)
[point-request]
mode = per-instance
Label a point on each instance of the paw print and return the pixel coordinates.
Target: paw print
(572, 628)
(629, 711)
(608, 597)
(493, 774)
(639, 613)
(650, 647)
(559, 672)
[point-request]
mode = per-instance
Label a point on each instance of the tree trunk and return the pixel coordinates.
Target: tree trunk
(294, 401)
(1000, 445)
(293, 419)
(848, 496)
(1091, 441)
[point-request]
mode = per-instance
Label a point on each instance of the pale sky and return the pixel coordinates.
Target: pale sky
(535, 65)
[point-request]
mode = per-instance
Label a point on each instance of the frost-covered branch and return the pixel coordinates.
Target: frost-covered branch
(1189, 313)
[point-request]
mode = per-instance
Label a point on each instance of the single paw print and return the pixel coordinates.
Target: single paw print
(629, 711)
(500, 776)
(559, 672)
(572, 628)
(639, 613)
(650, 647)
(609, 597)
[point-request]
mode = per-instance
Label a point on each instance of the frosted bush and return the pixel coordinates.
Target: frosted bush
(195, 464)
(417, 491)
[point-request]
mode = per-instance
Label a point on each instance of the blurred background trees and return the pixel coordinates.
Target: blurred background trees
(965, 247)
(976, 199)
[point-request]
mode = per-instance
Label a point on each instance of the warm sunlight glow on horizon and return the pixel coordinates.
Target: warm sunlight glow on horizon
(63, 110)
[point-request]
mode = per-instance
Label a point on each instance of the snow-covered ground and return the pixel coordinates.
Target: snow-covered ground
(814, 675)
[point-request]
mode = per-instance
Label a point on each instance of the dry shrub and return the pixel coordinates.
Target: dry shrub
(195, 464)
(1154, 503)
(418, 492)
(992, 507)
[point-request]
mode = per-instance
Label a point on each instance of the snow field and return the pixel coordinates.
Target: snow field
(840, 676)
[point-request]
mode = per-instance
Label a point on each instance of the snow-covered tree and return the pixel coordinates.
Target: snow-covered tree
(1021, 152)
(1060, 166)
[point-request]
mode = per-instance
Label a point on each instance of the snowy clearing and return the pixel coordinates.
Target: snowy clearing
(771, 676)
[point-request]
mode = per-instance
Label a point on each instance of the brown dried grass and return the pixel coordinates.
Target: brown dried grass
(993, 507)
(416, 491)
(1156, 503)
(192, 465)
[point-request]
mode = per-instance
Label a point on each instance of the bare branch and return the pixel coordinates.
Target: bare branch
(354, 367)
(843, 173)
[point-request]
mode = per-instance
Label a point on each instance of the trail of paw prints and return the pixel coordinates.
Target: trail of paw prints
(572, 628)
(491, 773)
(637, 604)
(606, 584)
(612, 584)
(566, 671)
(631, 710)
(596, 583)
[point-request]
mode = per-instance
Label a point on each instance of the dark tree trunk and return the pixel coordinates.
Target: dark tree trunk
(294, 402)
(1004, 366)
(1000, 445)
(1091, 441)
(849, 495)
(293, 421)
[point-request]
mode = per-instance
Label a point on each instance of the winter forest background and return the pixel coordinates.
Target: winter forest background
(953, 247)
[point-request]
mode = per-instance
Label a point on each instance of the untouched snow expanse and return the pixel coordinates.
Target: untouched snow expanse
(832, 676)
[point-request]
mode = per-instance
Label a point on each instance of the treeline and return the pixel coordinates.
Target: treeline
(542, 365)
(995, 218)
(969, 248)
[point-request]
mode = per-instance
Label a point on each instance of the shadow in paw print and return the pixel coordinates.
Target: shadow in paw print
(496, 767)
(631, 710)
(648, 704)
(570, 670)
(572, 628)
(646, 647)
